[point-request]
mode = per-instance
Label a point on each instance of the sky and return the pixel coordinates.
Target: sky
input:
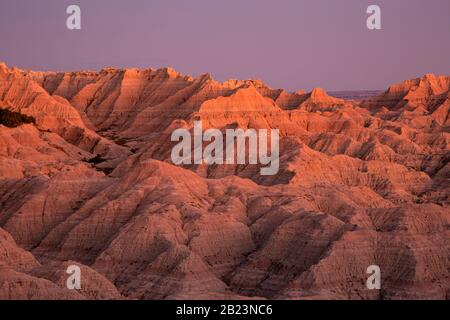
(291, 44)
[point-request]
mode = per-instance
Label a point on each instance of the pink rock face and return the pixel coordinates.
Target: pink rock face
(92, 184)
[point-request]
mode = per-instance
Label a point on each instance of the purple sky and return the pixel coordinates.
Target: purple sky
(292, 44)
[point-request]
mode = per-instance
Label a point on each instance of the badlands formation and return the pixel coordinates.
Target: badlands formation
(91, 183)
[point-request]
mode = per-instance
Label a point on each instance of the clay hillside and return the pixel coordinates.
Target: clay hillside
(86, 179)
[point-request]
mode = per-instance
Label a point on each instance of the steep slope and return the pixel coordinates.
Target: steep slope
(420, 101)
(91, 183)
(19, 92)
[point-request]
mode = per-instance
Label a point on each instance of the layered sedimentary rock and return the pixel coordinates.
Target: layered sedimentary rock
(21, 93)
(92, 184)
(418, 102)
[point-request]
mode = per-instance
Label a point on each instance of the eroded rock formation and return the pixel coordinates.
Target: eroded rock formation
(91, 184)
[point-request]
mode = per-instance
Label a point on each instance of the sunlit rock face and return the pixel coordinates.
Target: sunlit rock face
(91, 183)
